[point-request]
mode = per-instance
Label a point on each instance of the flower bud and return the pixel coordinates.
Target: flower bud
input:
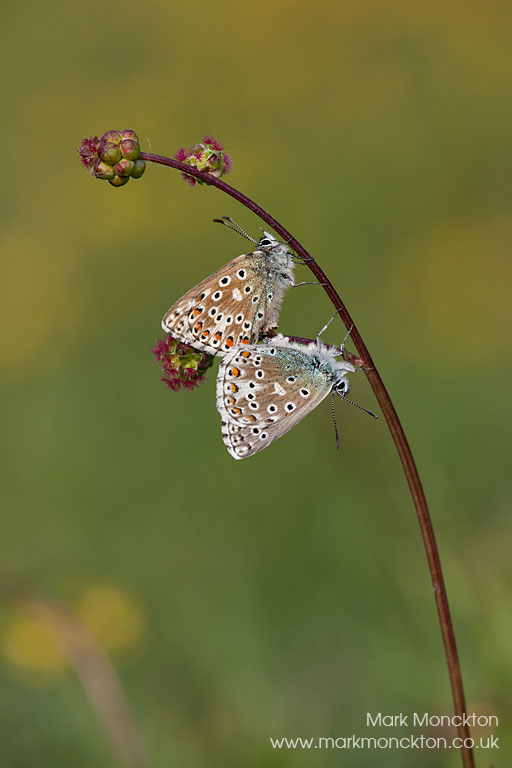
(129, 134)
(207, 156)
(110, 153)
(130, 149)
(119, 181)
(103, 171)
(139, 167)
(123, 167)
(112, 136)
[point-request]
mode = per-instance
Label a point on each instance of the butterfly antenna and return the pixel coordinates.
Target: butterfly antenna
(235, 227)
(370, 413)
(334, 422)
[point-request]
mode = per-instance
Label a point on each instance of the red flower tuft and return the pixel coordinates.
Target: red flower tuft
(182, 366)
(212, 142)
(88, 151)
(189, 179)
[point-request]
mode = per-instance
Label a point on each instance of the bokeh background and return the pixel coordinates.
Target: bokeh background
(285, 595)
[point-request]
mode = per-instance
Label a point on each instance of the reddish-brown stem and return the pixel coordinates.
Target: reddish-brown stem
(397, 432)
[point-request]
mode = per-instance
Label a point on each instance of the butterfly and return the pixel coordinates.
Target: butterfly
(236, 304)
(263, 390)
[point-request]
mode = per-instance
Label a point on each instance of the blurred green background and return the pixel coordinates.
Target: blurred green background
(285, 595)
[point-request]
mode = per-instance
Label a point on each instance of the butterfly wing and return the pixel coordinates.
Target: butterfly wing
(226, 309)
(263, 390)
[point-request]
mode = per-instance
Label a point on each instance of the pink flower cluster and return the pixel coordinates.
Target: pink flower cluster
(183, 367)
(208, 156)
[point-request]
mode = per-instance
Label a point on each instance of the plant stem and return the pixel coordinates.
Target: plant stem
(397, 433)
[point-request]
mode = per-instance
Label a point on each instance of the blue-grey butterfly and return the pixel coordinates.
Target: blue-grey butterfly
(263, 390)
(238, 303)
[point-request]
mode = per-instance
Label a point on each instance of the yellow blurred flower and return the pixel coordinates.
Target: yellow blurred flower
(27, 643)
(112, 616)
(39, 638)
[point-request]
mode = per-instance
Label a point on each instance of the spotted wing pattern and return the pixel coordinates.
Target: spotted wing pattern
(263, 390)
(235, 304)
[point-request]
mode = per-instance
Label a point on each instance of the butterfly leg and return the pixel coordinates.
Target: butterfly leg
(296, 285)
(345, 339)
(327, 325)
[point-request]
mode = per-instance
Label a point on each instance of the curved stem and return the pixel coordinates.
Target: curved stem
(397, 433)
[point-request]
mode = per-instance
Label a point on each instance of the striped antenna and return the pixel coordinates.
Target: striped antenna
(235, 227)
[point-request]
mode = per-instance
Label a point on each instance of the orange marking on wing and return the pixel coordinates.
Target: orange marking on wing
(246, 340)
(238, 411)
(246, 353)
(207, 333)
(218, 336)
(234, 387)
(196, 312)
(231, 400)
(229, 342)
(235, 372)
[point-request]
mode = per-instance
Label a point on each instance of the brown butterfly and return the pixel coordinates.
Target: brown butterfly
(238, 303)
(263, 390)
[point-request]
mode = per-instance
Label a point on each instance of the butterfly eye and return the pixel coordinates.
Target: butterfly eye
(343, 388)
(265, 242)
